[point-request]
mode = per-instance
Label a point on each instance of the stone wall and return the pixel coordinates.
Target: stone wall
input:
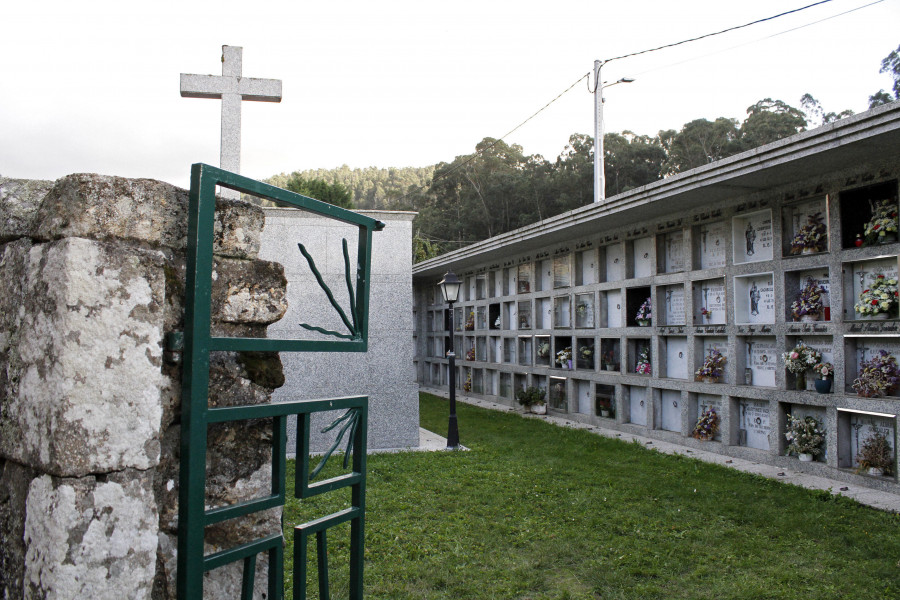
(92, 278)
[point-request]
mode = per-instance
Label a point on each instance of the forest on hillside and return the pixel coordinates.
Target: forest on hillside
(498, 187)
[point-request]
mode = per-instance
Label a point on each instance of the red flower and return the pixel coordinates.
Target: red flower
(874, 302)
(880, 276)
(876, 228)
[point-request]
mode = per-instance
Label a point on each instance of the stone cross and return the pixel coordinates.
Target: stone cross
(231, 88)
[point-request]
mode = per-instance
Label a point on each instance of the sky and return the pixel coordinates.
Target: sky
(93, 86)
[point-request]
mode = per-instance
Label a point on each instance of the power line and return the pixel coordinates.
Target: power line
(846, 12)
(694, 39)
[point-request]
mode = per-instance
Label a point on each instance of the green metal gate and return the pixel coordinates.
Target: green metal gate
(196, 414)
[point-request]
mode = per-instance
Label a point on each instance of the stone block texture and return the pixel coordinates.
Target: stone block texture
(92, 275)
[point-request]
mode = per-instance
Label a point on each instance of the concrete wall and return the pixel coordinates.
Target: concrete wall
(386, 372)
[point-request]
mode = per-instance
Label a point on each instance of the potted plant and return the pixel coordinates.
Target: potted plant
(608, 359)
(825, 371)
(806, 437)
(882, 227)
(812, 237)
(643, 363)
(532, 398)
(644, 314)
(707, 425)
(564, 358)
(878, 376)
(876, 456)
(467, 386)
(808, 305)
(606, 409)
(879, 301)
(713, 367)
(799, 360)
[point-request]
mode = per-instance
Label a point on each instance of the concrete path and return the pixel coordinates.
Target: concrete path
(874, 498)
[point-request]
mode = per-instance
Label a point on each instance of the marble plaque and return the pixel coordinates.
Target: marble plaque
(866, 348)
(712, 296)
(798, 217)
(755, 299)
(753, 237)
(643, 253)
(638, 413)
(586, 262)
(674, 252)
(713, 242)
(583, 390)
(864, 273)
(674, 300)
(615, 262)
(676, 357)
(704, 403)
(614, 308)
(754, 419)
(762, 357)
(561, 272)
(670, 410)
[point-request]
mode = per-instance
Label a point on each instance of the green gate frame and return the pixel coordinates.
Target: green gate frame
(196, 415)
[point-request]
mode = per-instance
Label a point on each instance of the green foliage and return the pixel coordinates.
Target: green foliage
(531, 395)
(699, 142)
(423, 248)
(816, 114)
(543, 512)
(890, 65)
(768, 121)
(332, 193)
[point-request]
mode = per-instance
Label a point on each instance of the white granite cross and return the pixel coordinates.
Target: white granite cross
(231, 88)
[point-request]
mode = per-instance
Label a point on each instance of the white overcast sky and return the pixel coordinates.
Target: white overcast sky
(92, 86)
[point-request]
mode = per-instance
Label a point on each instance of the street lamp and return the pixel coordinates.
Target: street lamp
(599, 167)
(450, 285)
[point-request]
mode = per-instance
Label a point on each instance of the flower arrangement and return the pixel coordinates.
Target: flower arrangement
(608, 360)
(643, 362)
(470, 321)
(878, 376)
(876, 455)
(543, 349)
(497, 323)
(564, 356)
(880, 297)
(883, 222)
(586, 351)
(824, 370)
(470, 354)
(805, 436)
(581, 309)
(467, 386)
(812, 237)
(809, 301)
(707, 425)
(531, 396)
(801, 358)
(705, 313)
(645, 312)
(713, 365)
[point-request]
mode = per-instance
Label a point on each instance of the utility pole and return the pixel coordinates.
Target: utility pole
(599, 175)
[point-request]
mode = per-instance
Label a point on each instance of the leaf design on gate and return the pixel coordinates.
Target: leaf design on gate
(352, 322)
(349, 420)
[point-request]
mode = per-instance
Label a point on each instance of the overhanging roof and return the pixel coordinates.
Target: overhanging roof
(868, 137)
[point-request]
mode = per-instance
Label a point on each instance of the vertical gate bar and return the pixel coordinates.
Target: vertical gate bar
(249, 577)
(195, 388)
(358, 499)
(279, 462)
(302, 454)
(276, 571)
(300, 556)
(322, 557)
(363, 277)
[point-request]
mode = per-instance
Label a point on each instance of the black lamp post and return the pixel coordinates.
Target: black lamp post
(450, 285)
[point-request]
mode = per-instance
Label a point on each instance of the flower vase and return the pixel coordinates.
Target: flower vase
(801, 381)
(807, 250)
(643, 322)
(710, 379)
(888, 238)
(875, 471)
(539, 409)
(809, 318)
(569, 364)
(823, 386)
(806, 457)
(882, 316)
(604, 413)
(610, 367)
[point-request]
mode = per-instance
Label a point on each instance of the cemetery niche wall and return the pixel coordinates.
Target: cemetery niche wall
(742, 262)
(92, 269)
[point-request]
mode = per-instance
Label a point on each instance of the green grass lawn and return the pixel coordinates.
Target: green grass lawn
(535, 511)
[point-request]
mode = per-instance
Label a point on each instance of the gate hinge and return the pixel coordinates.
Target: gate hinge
(174, 346)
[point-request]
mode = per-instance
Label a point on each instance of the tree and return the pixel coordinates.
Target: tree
(770, 120)
(631, 161)
(699, 142)
(332, 193)
(891, 65)
(815, 112)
